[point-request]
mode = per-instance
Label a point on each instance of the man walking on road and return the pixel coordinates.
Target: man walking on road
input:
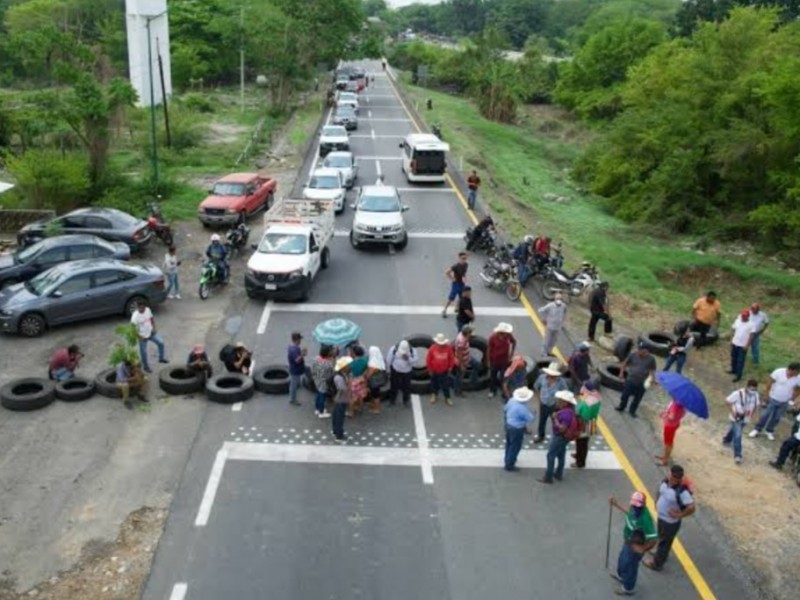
(675, 502)
(500, 350)
(782, 391)
(639, 536)
(297, 366)
(547, 386)
(598, 307)
(554, 315)
(145, 324)
(743, 404)
(743, 332)
(637, 368)
(706, 313)
(465, 314)
(473, 183)
(760, 321)
(517, 418)
(457, 275)
(565, 430)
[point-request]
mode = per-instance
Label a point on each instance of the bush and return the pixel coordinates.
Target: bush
(50, 179)
(198, 103)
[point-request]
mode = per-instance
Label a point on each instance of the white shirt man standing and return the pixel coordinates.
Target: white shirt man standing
(743, 332)
(743, 405)
(760, 321)
(782, 391)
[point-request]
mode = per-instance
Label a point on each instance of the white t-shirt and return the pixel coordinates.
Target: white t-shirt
(143, 321)
(759, 320)
(782, 386)
(744, 403)
(741, 332)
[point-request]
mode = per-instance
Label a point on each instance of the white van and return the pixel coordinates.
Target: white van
(424, 158)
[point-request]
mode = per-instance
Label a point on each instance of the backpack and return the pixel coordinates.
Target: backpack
(573, 430)
(226, 354)
(683, 486)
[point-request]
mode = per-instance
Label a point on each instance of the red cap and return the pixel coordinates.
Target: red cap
(746, 313)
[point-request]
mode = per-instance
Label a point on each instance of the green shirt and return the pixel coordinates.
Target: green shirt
(359, 366)
(644, 522)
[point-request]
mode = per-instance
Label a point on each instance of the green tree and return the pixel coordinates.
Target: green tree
(49, 179)
(591, 83)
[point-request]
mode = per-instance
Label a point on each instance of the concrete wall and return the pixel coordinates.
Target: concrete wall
(138, 12)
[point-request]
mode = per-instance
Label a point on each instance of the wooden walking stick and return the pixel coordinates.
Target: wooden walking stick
(608, 534)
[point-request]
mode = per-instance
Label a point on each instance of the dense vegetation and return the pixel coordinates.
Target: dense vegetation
(694, 111)
(68, 126)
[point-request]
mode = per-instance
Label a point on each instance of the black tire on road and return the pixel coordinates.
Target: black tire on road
(402, 245)
(421, 386)
(513, 290)
(180, 381)
(308, 381)
(272, 379)
(31, 325)
(75, 389)
(424, 341)
(610, 376)
(325, 258)
(658, 342)
(623, 346)
(229, 388)
(106, 384)
(26, 394)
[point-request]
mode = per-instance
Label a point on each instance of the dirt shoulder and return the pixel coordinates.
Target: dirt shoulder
(86, 487)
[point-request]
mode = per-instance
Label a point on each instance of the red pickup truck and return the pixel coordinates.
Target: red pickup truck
(235, 195)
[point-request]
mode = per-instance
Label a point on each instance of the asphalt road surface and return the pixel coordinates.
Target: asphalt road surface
(416, 504)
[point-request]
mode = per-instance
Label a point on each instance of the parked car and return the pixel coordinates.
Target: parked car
(379, 217)
(76, 291)
(345, 163)
(235, 197)
(28, 262)
(345, 116)
(326, 184)
(108, 223)
(333, 137)
(348, 98)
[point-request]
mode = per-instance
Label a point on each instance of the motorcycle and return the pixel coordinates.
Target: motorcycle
(236, 239)
(210, 276)
(501, 273)
(555, 280)
(485, 242)
(156, 224)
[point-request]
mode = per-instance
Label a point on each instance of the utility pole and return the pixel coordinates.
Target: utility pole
(154, 155)
(163, 94)
(241, 55)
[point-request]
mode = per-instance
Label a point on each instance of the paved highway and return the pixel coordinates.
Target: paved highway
(416, 504)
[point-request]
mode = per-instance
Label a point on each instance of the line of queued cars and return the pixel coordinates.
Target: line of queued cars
(378, 209)
(75, 267)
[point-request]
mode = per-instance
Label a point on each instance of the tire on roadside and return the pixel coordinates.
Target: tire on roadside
(609, 374)
(180, 381)
(420, 372)
(272, 379)
(28, 393)
(106, 384)
(658, 342)
(308, 381)
(480, 344)
(75, 389)
(421, 387)
(230, 388)
(623, 346)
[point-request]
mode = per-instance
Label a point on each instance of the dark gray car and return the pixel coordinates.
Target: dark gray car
(76, 291)
(108, 223)
(25, 263)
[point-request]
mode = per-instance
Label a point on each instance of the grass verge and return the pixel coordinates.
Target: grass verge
(523, 165)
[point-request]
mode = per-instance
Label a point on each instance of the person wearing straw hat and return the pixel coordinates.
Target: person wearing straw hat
(440, 361)
(500, 350)
(546, 386)
(565, 429)
(517, 418)
(198, 363)
(639, 536)
(342, 398)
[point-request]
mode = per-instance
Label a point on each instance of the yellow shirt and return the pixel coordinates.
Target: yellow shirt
(707, 312)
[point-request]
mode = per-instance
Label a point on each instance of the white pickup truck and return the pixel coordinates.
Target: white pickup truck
(293, 249)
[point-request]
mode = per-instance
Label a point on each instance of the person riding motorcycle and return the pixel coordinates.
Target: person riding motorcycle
(523, 254)
(218, 254)
(479, 231)
(541, 251)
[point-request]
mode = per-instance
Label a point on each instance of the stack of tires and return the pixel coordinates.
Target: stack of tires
(33, 393)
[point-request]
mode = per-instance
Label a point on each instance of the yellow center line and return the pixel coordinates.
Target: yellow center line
(678, 548)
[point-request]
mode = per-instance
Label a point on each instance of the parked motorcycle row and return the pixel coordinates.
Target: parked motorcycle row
(501, 270)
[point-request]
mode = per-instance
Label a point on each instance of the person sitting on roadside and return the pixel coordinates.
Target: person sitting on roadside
(198, 363)
(706, 313)
(240, 360)
(131, 378)
(64, 362)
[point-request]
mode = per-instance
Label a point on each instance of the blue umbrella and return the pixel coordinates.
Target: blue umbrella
(684, 392)
(336, 332)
